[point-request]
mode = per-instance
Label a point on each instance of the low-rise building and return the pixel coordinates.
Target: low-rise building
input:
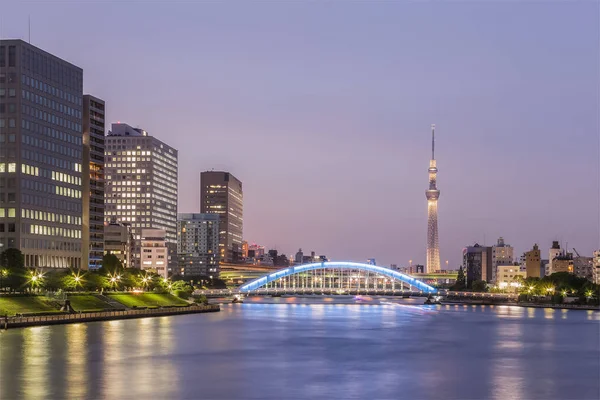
(563, 263)
(502, 254)
(583, 267)
(554, 252)
(118, 240)
(596, 268)
(154, 254)
(508, 275)
(477, 264)
(533, 262)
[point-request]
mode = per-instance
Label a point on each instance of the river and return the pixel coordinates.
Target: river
(318, 350)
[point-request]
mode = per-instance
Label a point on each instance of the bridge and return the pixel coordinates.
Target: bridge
(345, 278)
(330, 278)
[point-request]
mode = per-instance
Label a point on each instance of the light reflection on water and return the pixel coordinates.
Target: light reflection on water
(76, 385)
(325, 350)
(36, 354)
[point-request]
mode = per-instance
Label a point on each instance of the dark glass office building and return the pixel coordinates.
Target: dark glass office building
(40, 156)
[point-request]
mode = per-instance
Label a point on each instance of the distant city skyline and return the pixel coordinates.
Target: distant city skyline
(323, 110)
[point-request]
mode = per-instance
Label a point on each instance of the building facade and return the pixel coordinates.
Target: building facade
(118, 240)
(596, 268)
(154, 253)
(533, 262)
(508, 275)
(141, 185)
(502, 254)
(563, 263)
(41, 99)
(554, 252)
(221, 193)
(94, 111)
(432, 194)
(477, 264)
(583, 267)
(198, 244)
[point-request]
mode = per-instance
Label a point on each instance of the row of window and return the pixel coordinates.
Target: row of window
(51, 146)
(72, 138)
(68, 192)
(50, 217)
(10, 108)
(8, 213)
(51, 90)
(8, 123)
(10, 138)
(10, 92)
(48, 102)
(73, 207)
(52, 231)
(66, 178)
(8, 167)
(50, 118)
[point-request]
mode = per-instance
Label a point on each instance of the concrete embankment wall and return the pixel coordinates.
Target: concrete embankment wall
(20, 322)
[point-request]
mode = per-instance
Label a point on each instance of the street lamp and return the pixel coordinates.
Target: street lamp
(3, 274)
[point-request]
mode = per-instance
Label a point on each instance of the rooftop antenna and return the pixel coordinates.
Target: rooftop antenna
(29, 39)
(433, 141)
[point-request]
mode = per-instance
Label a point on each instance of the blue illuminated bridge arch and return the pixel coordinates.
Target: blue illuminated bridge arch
(282, 273)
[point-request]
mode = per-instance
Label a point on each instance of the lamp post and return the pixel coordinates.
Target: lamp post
(3, 274)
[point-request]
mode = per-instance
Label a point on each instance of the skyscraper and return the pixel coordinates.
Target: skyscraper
(432, 194)
(141, 185)
(40, 156)
(93, 181)
(221, 193)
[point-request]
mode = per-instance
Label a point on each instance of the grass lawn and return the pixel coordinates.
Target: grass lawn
(87, 303)
(147, 300)
(24, 304)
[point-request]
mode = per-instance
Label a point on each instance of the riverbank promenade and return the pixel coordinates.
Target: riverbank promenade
(20, 322)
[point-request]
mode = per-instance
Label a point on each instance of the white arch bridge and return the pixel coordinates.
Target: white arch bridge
(333, 277)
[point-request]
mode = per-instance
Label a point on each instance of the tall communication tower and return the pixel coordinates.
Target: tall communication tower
(432, 194)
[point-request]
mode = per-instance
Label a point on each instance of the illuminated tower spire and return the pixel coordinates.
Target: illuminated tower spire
(432, 194)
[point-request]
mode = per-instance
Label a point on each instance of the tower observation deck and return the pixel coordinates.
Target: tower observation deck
(432, 194)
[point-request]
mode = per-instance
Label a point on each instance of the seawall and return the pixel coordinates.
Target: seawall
(57, 319)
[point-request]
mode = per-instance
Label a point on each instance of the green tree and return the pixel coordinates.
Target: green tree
(14, 275)
(54, 280)
(94, 281)
(110, 265)
(479, 286)
(461, 280)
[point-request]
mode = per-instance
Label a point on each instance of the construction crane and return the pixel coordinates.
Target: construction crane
(576, 252)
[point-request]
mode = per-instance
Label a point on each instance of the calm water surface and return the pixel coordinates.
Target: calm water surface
(297, 351)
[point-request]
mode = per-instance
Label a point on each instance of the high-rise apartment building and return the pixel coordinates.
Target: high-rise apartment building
(533, 262)
(221, 193)
(41, 99)
(198, 244)
(477, 263)
(94, 111)
(141, 185)
(502, 254)
(432, 194)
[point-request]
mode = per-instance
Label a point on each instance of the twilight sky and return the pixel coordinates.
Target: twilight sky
(323, 111)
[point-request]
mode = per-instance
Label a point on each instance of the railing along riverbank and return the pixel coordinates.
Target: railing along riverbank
(56, 319)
